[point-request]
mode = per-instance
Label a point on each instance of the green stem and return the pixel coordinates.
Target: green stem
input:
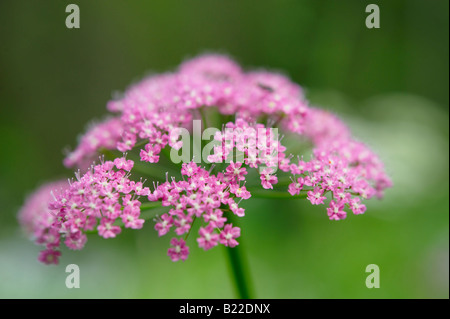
(166, 152)
(192, 226)
(150, 205)
(238, 267)
(204, 118)
(276, 194)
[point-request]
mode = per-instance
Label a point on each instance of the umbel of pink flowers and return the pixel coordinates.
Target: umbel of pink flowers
(111, 194)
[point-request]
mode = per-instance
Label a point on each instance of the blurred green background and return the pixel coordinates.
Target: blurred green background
(389, 84)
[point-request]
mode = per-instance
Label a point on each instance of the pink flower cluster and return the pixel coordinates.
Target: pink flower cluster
(151, 109)
(253, 145)
(37, 222)
(105, 135)
(105, 194)
(202, 196)
(340, 166)
(341, 171)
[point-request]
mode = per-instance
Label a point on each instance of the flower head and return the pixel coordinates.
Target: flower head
(147, 122)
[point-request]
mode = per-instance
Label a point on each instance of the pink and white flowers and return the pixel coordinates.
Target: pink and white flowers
(111, 195)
